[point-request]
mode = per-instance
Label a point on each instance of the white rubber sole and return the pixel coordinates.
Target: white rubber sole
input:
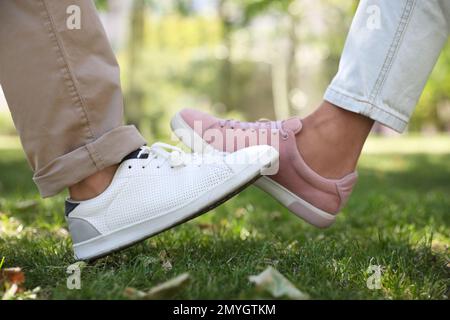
(129, 235)
(294, 203)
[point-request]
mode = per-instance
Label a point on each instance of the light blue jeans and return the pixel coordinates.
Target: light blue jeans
(389, 54)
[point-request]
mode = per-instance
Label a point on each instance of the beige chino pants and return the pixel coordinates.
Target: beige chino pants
(61, 82)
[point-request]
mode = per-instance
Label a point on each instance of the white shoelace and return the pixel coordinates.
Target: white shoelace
(176, 157)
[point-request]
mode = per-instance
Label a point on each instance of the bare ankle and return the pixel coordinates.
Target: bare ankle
(332, 139)
(93, 185)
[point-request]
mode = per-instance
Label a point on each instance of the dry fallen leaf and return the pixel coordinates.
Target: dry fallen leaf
(165, 290)
(163, 255)
(167, 266)
(10, 292)
(165, 261)
(14, 292)
(11, 285)
(272, 282)
(12, 276)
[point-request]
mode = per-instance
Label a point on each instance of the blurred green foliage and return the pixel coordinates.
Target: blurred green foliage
(178, 58)
(225, 61)
(433, 109)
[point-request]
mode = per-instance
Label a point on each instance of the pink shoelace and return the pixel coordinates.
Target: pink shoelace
(261, 124)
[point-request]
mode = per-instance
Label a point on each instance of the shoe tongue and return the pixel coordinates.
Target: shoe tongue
(294, 124)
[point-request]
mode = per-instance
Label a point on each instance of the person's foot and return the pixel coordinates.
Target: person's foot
(157, 188)
(303, 191)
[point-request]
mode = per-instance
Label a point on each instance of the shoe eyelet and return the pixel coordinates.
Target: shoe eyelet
(143, 167)
(129, 167)
(157, 167)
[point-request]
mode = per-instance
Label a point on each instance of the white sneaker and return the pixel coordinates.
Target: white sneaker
(154, 190)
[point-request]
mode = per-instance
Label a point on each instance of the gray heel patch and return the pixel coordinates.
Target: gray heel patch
(81, 230)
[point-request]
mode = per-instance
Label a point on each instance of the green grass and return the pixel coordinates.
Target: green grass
(398, 217)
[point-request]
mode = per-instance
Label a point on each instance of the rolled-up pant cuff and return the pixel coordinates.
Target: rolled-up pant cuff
(383, 115)
(107, 150)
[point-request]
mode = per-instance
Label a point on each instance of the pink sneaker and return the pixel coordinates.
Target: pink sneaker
(304, 192)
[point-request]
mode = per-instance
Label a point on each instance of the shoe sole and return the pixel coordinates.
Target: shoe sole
(123, 238)
(292, 202)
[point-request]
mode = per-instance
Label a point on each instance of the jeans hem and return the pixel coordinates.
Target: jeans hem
(366, 108)
(68, 169)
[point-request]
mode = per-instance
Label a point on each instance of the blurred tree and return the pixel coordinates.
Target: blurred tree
(283, 66)
(433, 110)
(135, 94)
(226, 76)
(179, 57)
